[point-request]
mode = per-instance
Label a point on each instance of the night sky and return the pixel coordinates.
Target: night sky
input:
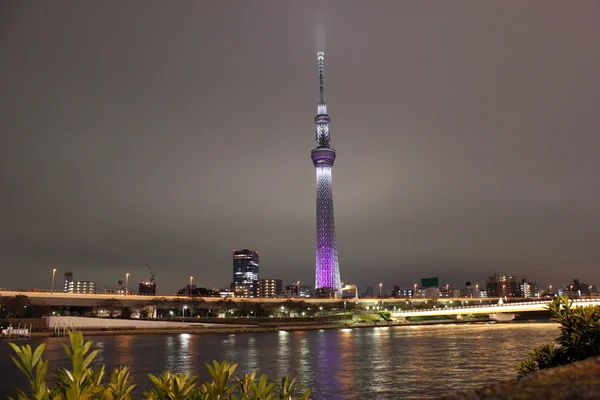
(467, 137)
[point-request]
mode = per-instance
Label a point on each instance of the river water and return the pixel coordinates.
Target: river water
(372, 363)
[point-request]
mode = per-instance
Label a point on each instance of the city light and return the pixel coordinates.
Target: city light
(53, 274)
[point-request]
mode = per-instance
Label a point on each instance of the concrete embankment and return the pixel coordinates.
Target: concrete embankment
(197, 329)
(201, 330)
(580, 380)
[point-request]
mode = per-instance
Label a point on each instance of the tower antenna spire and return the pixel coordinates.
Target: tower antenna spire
(320, 60)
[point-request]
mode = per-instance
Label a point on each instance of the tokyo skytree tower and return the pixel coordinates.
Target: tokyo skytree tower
(328, 270)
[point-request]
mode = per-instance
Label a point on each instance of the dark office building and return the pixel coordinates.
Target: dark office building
(406, 293)
(68, 281)
(147, 289)
(581, 289)
(245, 270)
(197, 291)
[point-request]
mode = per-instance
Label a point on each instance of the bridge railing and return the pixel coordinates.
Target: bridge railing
(520, 303)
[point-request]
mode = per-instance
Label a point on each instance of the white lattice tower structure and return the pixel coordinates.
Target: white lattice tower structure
(327, 268)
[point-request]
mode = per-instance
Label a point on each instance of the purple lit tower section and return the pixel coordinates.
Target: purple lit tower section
(328, 270)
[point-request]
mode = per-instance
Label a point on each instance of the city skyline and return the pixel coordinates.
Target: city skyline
(468, 133)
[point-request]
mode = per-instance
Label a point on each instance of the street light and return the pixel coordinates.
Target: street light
(191, 279)
(503, 291)
(380, 285)
(448, 290)
(183, 311)
(126, 283)
(298, 288)
(53, 273)
(550, 289)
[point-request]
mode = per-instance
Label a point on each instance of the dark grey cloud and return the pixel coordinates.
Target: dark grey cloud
(466, 132)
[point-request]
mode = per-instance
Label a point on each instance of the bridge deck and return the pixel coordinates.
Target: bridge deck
(489, 308)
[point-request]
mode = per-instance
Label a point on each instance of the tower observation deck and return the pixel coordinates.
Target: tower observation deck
(323, 156)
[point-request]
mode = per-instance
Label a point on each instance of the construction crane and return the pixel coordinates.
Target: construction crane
(151, 273)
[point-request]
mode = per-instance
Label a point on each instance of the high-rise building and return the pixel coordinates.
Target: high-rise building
(323, 157)
(503, 286)
(529, 289)
(245, 270)
(268, 288)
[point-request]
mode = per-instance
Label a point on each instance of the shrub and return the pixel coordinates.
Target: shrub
(82, 382)
(579, 337)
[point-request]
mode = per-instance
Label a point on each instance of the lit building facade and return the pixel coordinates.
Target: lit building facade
(269, 288)
(72, 286)
(305, 291)
(241, 291)
(529, 289)
(226, 292)
(245, 270)
(82, 287)
(503, 285)
(327, 267)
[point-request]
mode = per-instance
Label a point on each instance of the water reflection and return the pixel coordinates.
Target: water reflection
(124, 350)
(170, 354)
(283, 350)
(304, 358)
(347, 370)
(251, 358)
(383, 363)
(185, 364)
(229, 348)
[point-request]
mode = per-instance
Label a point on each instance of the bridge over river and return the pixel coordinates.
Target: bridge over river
(500, 311)
(62, 299)
(398, 307)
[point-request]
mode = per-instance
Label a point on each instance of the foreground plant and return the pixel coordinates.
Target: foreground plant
(579, 337)
(82, 382)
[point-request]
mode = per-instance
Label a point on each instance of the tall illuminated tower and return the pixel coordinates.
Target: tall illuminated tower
(328, 270)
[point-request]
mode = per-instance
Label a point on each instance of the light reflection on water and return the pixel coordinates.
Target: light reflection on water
(380, 363)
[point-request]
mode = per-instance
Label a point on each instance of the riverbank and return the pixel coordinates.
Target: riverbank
(256, 329)
(580, 380)
(201, 330)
